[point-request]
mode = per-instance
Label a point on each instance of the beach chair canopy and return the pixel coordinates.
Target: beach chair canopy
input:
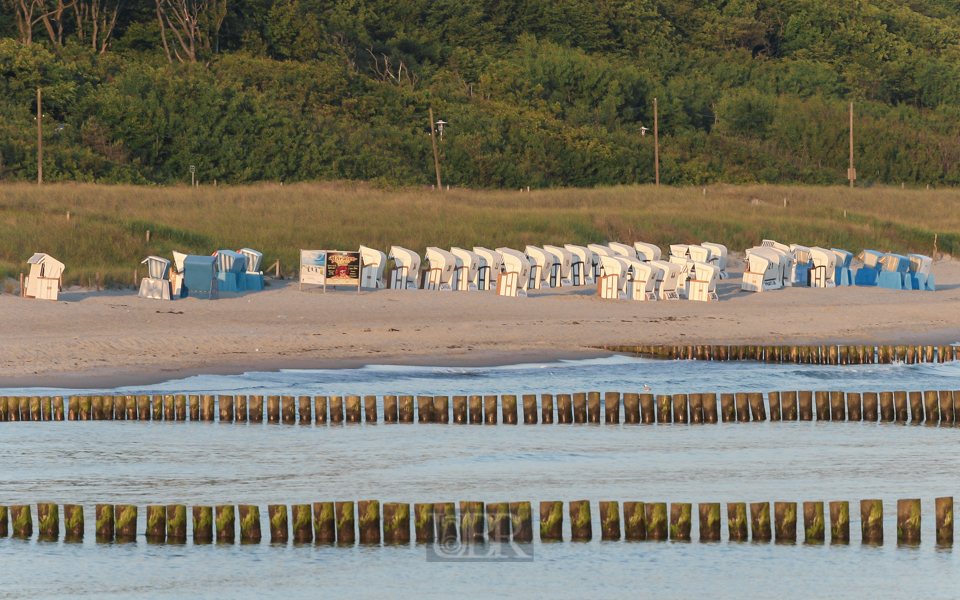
(443, 260)
(409, 259)
(872, 259)
(229, 261)
(178, 258)
(801, 255)
(622, 249)
(254, 259)
(44, 265)
(199, 272)
(896, 263)
(844, 258)
(920, 264)
(563, 257)
(647, 252)
(157, 267)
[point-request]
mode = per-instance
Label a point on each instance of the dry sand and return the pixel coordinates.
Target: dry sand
(112, 338)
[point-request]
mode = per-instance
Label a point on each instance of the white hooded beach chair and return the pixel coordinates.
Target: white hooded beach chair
(844, 259)
(487, 274)
(157, 267)
(230, 271)
(587, 261)
(443, 266)
(824, 271)
(802, 263)
(719, 259)
(44, 279)
(467, 274)
(515, 275)
(406, 274)
(700, 254)
(253, 277)
(373, 260)
(763, 270)
(563, 263)
(541, 263)
(622, 250)
(703, 282)
(156, 285)
(667, 280)
(679, 250)
(685, 265)
(647, 252)
(895, 270)
(612, 282)
(642, 281)
(919, 275)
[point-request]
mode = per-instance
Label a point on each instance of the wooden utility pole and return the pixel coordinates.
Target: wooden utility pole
(851, 172)
(656, 143)
(436, 156)
(39, 141)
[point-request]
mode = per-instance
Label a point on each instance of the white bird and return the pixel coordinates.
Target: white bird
(646, 388)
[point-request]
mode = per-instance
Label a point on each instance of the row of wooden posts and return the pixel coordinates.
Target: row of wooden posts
(814, 355)
(346, 523)
(930, 407)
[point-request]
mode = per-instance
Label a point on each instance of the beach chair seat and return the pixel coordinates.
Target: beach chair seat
(562, 265)
(466, 275)
(647, 252)
(373, 262)
(487, 273)
(443, 266)
(667, 279)
(406, 273)
(583, 264)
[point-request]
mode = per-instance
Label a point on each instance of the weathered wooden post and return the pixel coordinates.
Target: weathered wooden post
(813, 523)
(728, 408)
(105, 522)
(788, 406)
(610, 520)
(21, 521)
(336, 409)
(226, 524)
(279, 529)
(823, 406)
(203, 524)
(193, 402)
(887, 411)
(901, 408)
(648, 409)
(369, 409)
(757, 409)
(737, 521)
(664, 409)
(391, 409)
(46, 409)
(805, 355)
(546, 409)
(58, 407)
(854, 407)
(656, 518)
(445, 517)
(908, 521)
(460, 413)
(471, 522)
(169, 408)
(73, 524)
(48, 521)
(806, 405)
(709, 521)
(931, 406)
(611, 406)
(156, 524)
(551, 521)
(4, 521)
(226, 408)
(441, 409)
(709, 403)
(273, 409)
(302, 523)
(126, 522)
(916, 407)
(255, 408)
(760, 521)
(743, 407)
(354, 412)
(946, 407)
(840, 522)
(911, 355)
(773, 399)
(425, 409)
(696, 408)
(35, 408)
(475, 407)
(593, 407)
(490, 410)
(944, 520)
(249, 516)
(680, 414)
(529, 409)
(785, 521)
(324, 522)
(581, 526)
(579, 408)
(423, 520)
(521, 520)
(206, 407)
(368, 521)
(498, 521)
(634, 521)
(180, 407)
(930, 354)
(240, 408)
(396, 523)
(681, 521)
(176, 523)
(871, 521)
(288, 409)
(508, 408)
(870, 406)
(838, 409)
(96, 408)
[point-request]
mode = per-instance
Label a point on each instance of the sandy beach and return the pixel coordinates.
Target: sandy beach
(115, 338)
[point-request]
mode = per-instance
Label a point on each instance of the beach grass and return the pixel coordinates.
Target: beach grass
(106, 230)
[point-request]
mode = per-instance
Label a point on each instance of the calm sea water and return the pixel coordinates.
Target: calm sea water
(129, 462)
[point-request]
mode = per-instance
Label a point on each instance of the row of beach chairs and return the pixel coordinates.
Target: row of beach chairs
(620, 271)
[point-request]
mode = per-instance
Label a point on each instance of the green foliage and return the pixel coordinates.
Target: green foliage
(539, 93)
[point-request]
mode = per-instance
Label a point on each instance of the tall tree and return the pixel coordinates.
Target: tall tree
(194, 23)
(96, 20)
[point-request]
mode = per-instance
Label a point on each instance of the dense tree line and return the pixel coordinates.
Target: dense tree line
(535, 92)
